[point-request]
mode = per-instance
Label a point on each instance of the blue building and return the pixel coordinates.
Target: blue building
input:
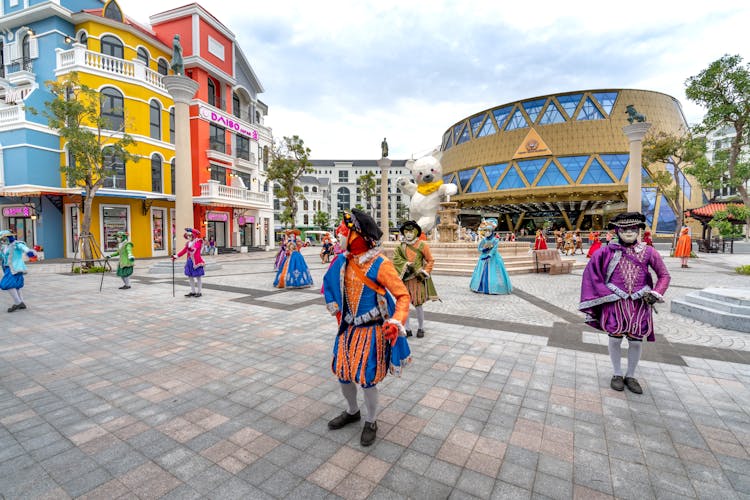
(30, 181)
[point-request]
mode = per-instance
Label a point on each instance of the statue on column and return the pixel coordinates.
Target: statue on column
(384, 148)
(633, 115)
(177, 64)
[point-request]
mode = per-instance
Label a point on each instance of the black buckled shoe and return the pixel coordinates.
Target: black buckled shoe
(21, 306)
(342, 420)
(408, 333)
(420, 333)
(633, 385)
(13, 308)
(197, 295)
(369, 433)
(617, 383)
(191, 294)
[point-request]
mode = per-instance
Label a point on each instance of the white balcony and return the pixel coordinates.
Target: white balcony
(12, 115)
(79, 58)
(250, 163)
(213, 193)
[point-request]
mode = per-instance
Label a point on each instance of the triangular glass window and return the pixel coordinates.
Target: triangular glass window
(517, 121)
(646, 176)
(464, 176)
(511, 180)
(487, 129)
(616, 163)
(667, 219)
(501, 114)
(589, 111)
(531, 168)
(464, 136)
(606, 99)
(449, 178)
(573, 165)
(113, 11)
(569, 103)
(493, 172)
(476, 122)
(458, 131)
(596, 174)
(552, 177)
(447, 143)
(478, 185)
(551, 115)
(533, 108)
(648, 204)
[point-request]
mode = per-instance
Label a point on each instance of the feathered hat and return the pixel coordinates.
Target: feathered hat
(487, 224)
(4, 233)
(193, 231)
(364, 224)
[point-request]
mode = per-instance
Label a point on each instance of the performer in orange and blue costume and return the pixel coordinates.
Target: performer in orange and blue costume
(363, 290)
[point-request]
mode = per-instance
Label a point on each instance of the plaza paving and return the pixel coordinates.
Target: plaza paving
(136, 394)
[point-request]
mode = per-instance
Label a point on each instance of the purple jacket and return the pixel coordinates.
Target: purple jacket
(616, 272)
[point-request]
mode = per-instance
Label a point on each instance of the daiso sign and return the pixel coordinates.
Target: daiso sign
(226, 121)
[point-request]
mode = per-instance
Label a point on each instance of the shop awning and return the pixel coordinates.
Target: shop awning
(33, 190)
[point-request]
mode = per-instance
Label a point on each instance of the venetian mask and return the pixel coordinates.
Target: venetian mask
(628, 235)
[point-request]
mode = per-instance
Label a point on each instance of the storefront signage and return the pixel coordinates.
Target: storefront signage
(217, 216)
(16, 211)
(246, 219)
(226, 121)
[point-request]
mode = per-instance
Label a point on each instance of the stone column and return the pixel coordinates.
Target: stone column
(385, 212)
(635, 133)
(182, 89)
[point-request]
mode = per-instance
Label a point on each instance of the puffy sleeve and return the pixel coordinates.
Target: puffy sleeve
(182, 252)
(388, 278)
(129, 248)
(399, 260)
(429, 260)
(662, 274)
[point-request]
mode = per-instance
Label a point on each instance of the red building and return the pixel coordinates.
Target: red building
(232, 200)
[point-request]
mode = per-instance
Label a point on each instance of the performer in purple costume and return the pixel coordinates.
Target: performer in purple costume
(618, 293)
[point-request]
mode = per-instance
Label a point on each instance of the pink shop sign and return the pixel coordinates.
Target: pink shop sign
(217, 216)
(246, 219)
(226, 121)
(16, 212)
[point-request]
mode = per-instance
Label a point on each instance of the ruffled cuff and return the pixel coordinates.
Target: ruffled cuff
(333, 308)
(657, 295)
(401, 329)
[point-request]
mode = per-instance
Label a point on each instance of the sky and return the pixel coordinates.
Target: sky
(343, 75)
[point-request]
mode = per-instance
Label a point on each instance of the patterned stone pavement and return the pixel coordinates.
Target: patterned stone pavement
(136, 394)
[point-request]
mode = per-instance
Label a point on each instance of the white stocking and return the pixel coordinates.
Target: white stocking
(199, 279)
(20, 295)
(634, 355)
(406, 325)
(192, 284)
(371, 403)
(14, 294)
(420, 316)
(615, 353)
(350, 393)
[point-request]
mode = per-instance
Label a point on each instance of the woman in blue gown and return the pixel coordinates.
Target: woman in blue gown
(293, 272)
(489, 275)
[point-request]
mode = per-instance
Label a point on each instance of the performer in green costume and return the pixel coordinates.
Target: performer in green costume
(127, 261)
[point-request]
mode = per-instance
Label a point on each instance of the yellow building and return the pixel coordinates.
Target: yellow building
(125, 62)
(561, 159)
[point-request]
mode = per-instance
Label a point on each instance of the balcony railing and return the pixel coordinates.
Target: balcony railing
(213, 189)
(79, 57)
(12, 114)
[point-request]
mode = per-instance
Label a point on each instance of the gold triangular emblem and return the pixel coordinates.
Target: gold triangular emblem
(532, 146)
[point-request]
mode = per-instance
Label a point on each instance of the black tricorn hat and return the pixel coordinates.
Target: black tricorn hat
(410, 224)
(628, 219)
(365, 225)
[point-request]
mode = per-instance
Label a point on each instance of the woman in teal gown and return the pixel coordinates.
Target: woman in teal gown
(489, 275)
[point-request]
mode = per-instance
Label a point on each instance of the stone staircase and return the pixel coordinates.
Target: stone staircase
(727, 308)
(459, 259)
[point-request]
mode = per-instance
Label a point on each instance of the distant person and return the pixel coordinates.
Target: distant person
(647, 238)
(211, 246)
(540, 242)
(684, 247)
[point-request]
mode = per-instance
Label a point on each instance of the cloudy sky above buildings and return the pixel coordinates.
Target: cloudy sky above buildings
(344, 74)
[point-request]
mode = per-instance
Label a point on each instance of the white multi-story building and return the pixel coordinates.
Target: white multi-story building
(333, 187)
(718, 140)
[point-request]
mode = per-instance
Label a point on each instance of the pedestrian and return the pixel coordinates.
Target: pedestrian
(127, 260)
(371, 305)
(211, 246)
(490, 275)
(194, 261)
(413, 261)
(618, 294)
(684, 247)
(12, 252)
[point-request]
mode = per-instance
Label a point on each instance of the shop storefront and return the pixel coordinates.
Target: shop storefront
(114, 218)
(247, 230)
(216, 227)
(158, 232)
(20, 220)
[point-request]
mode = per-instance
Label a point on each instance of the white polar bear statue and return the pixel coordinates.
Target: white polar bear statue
(428, 191)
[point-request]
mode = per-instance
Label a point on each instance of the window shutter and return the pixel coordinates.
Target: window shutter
(12, 52)
(7, 53)
(33, 47)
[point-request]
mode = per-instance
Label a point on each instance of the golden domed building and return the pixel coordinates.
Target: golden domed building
(560, 158)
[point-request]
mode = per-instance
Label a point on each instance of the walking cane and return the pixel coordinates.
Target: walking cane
(104, 269)
(172, 277)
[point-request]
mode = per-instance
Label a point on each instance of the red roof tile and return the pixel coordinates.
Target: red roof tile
(709, 210)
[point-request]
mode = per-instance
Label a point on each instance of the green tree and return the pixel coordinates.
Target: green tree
(94, 144)
(290, 161)
(682, 150)
(724, 90)
(367, 188)
(722, 220)
(322, 219)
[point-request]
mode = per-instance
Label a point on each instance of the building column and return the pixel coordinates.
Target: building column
(182, 89)
(635, 133)
(385, 212)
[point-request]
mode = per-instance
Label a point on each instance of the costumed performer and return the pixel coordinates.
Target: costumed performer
(194, 264)
(413, 261)
(327, 251)
(489, 275)
(595, 245)
(684, 247)
(540, 242)
(294, 272)
(281, 255)
(127, 260)
(337, 250)
(12, 252)
(363, 290)
(647, 238)
(618, 294)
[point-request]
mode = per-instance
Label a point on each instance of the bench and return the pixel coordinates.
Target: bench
(549, 261)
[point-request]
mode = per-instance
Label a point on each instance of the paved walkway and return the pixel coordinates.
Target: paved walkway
(136, 394)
